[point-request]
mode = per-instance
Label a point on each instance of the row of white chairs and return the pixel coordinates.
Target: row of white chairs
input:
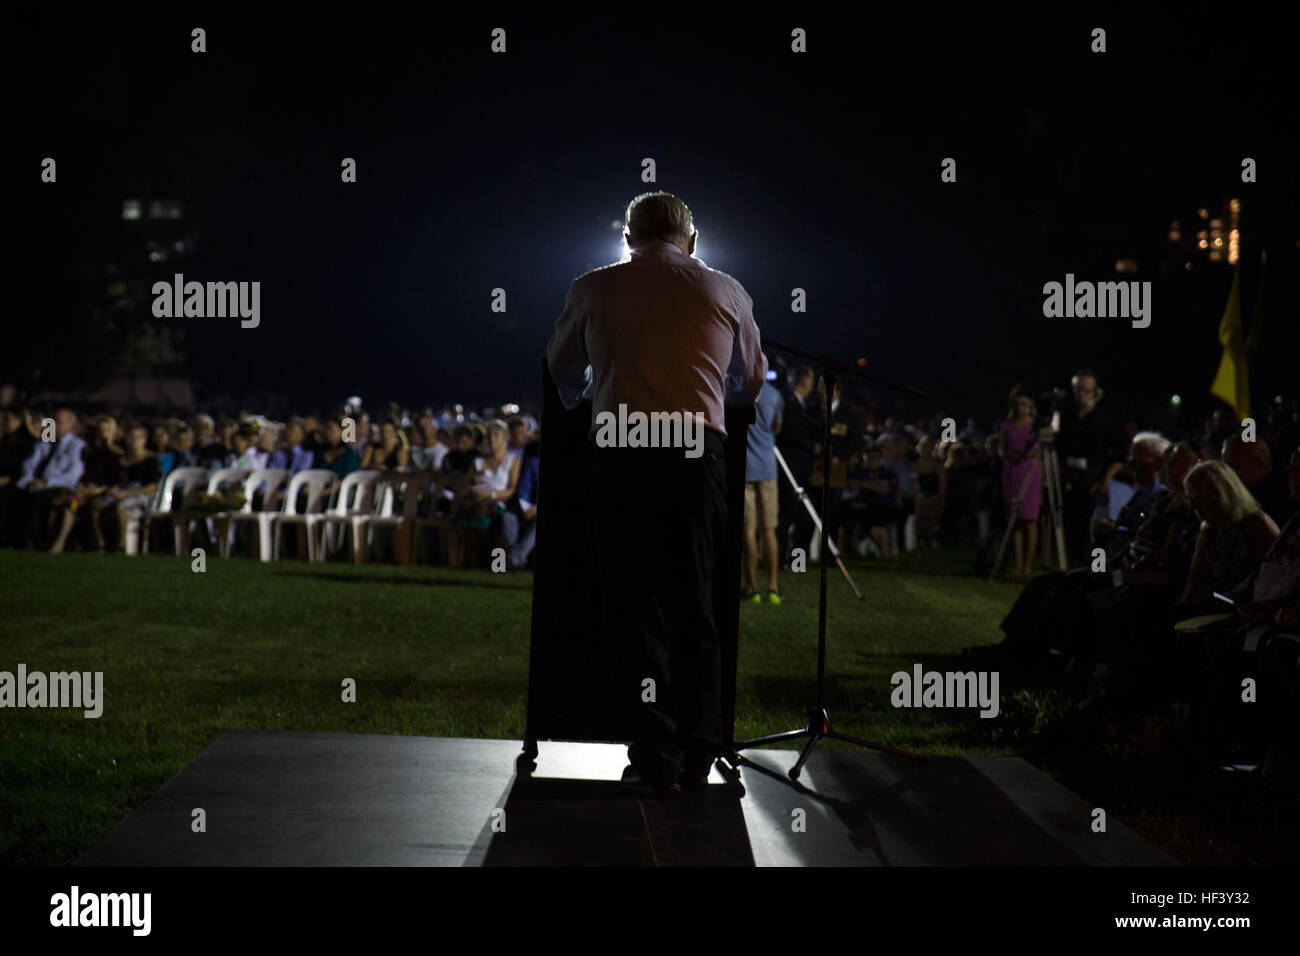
(323, 509)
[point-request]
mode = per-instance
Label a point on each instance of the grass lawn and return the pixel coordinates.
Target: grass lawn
(434, 652)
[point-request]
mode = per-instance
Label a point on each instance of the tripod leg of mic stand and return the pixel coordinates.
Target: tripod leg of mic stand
(797, 769)
(845, 571)
(817, 521)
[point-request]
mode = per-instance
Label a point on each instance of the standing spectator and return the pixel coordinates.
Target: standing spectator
(932, 491)
(893, 451)
(1022, 479)
(799, 431)
(1091, 453)
(846, 444)
(761, 507)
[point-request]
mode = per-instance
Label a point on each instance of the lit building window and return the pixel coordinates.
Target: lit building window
(130, 209)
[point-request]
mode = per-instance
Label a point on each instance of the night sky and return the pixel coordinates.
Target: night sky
(819, 171)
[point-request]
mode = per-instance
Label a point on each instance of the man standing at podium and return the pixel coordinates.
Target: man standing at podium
(660, 334)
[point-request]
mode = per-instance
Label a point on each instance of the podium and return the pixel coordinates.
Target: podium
(571, 658)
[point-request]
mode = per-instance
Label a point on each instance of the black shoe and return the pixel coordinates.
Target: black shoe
(632, 782)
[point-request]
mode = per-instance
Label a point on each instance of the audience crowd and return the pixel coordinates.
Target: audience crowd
(1182, 573)
(74, 481)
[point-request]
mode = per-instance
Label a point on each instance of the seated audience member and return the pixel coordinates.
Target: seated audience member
(518, 437)
(16, 443)
(265, 444)
(243, 451)
(1272, 592)
(390, 452)
(183, 453)
(1145, 458)
(336, 456)
(492, 484)
(873, 499)
(209, 448)
(131, 495)
(291, 455)
(1164, 532)
(519, 523)
(160, 445)
(427, 451)
(51, 470)
(1253, 463)
(457, 469)
(460, 460)
(1061, 610)
(1235, 534)
(103, 470)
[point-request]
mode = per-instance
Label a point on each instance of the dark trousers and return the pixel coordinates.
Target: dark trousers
(792, 511)
(25, 515)
(659, 518)
(1077, 507)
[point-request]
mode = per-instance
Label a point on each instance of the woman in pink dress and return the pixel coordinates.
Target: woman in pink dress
(1022, 481)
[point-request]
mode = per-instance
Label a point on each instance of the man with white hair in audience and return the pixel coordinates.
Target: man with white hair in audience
(1253, 463)
(1145, 454)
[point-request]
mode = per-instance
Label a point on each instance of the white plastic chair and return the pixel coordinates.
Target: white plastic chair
(318, 482)
(273, 479)
(355, 498)
(363, 526)
(189, 484)
(448, 535)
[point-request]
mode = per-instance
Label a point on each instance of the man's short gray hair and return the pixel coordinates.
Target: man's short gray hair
(660, 215)
(1154, 442)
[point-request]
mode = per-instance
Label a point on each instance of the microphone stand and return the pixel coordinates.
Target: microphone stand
(819, 721)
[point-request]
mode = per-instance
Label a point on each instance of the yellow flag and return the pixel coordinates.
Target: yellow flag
(1231, 383)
